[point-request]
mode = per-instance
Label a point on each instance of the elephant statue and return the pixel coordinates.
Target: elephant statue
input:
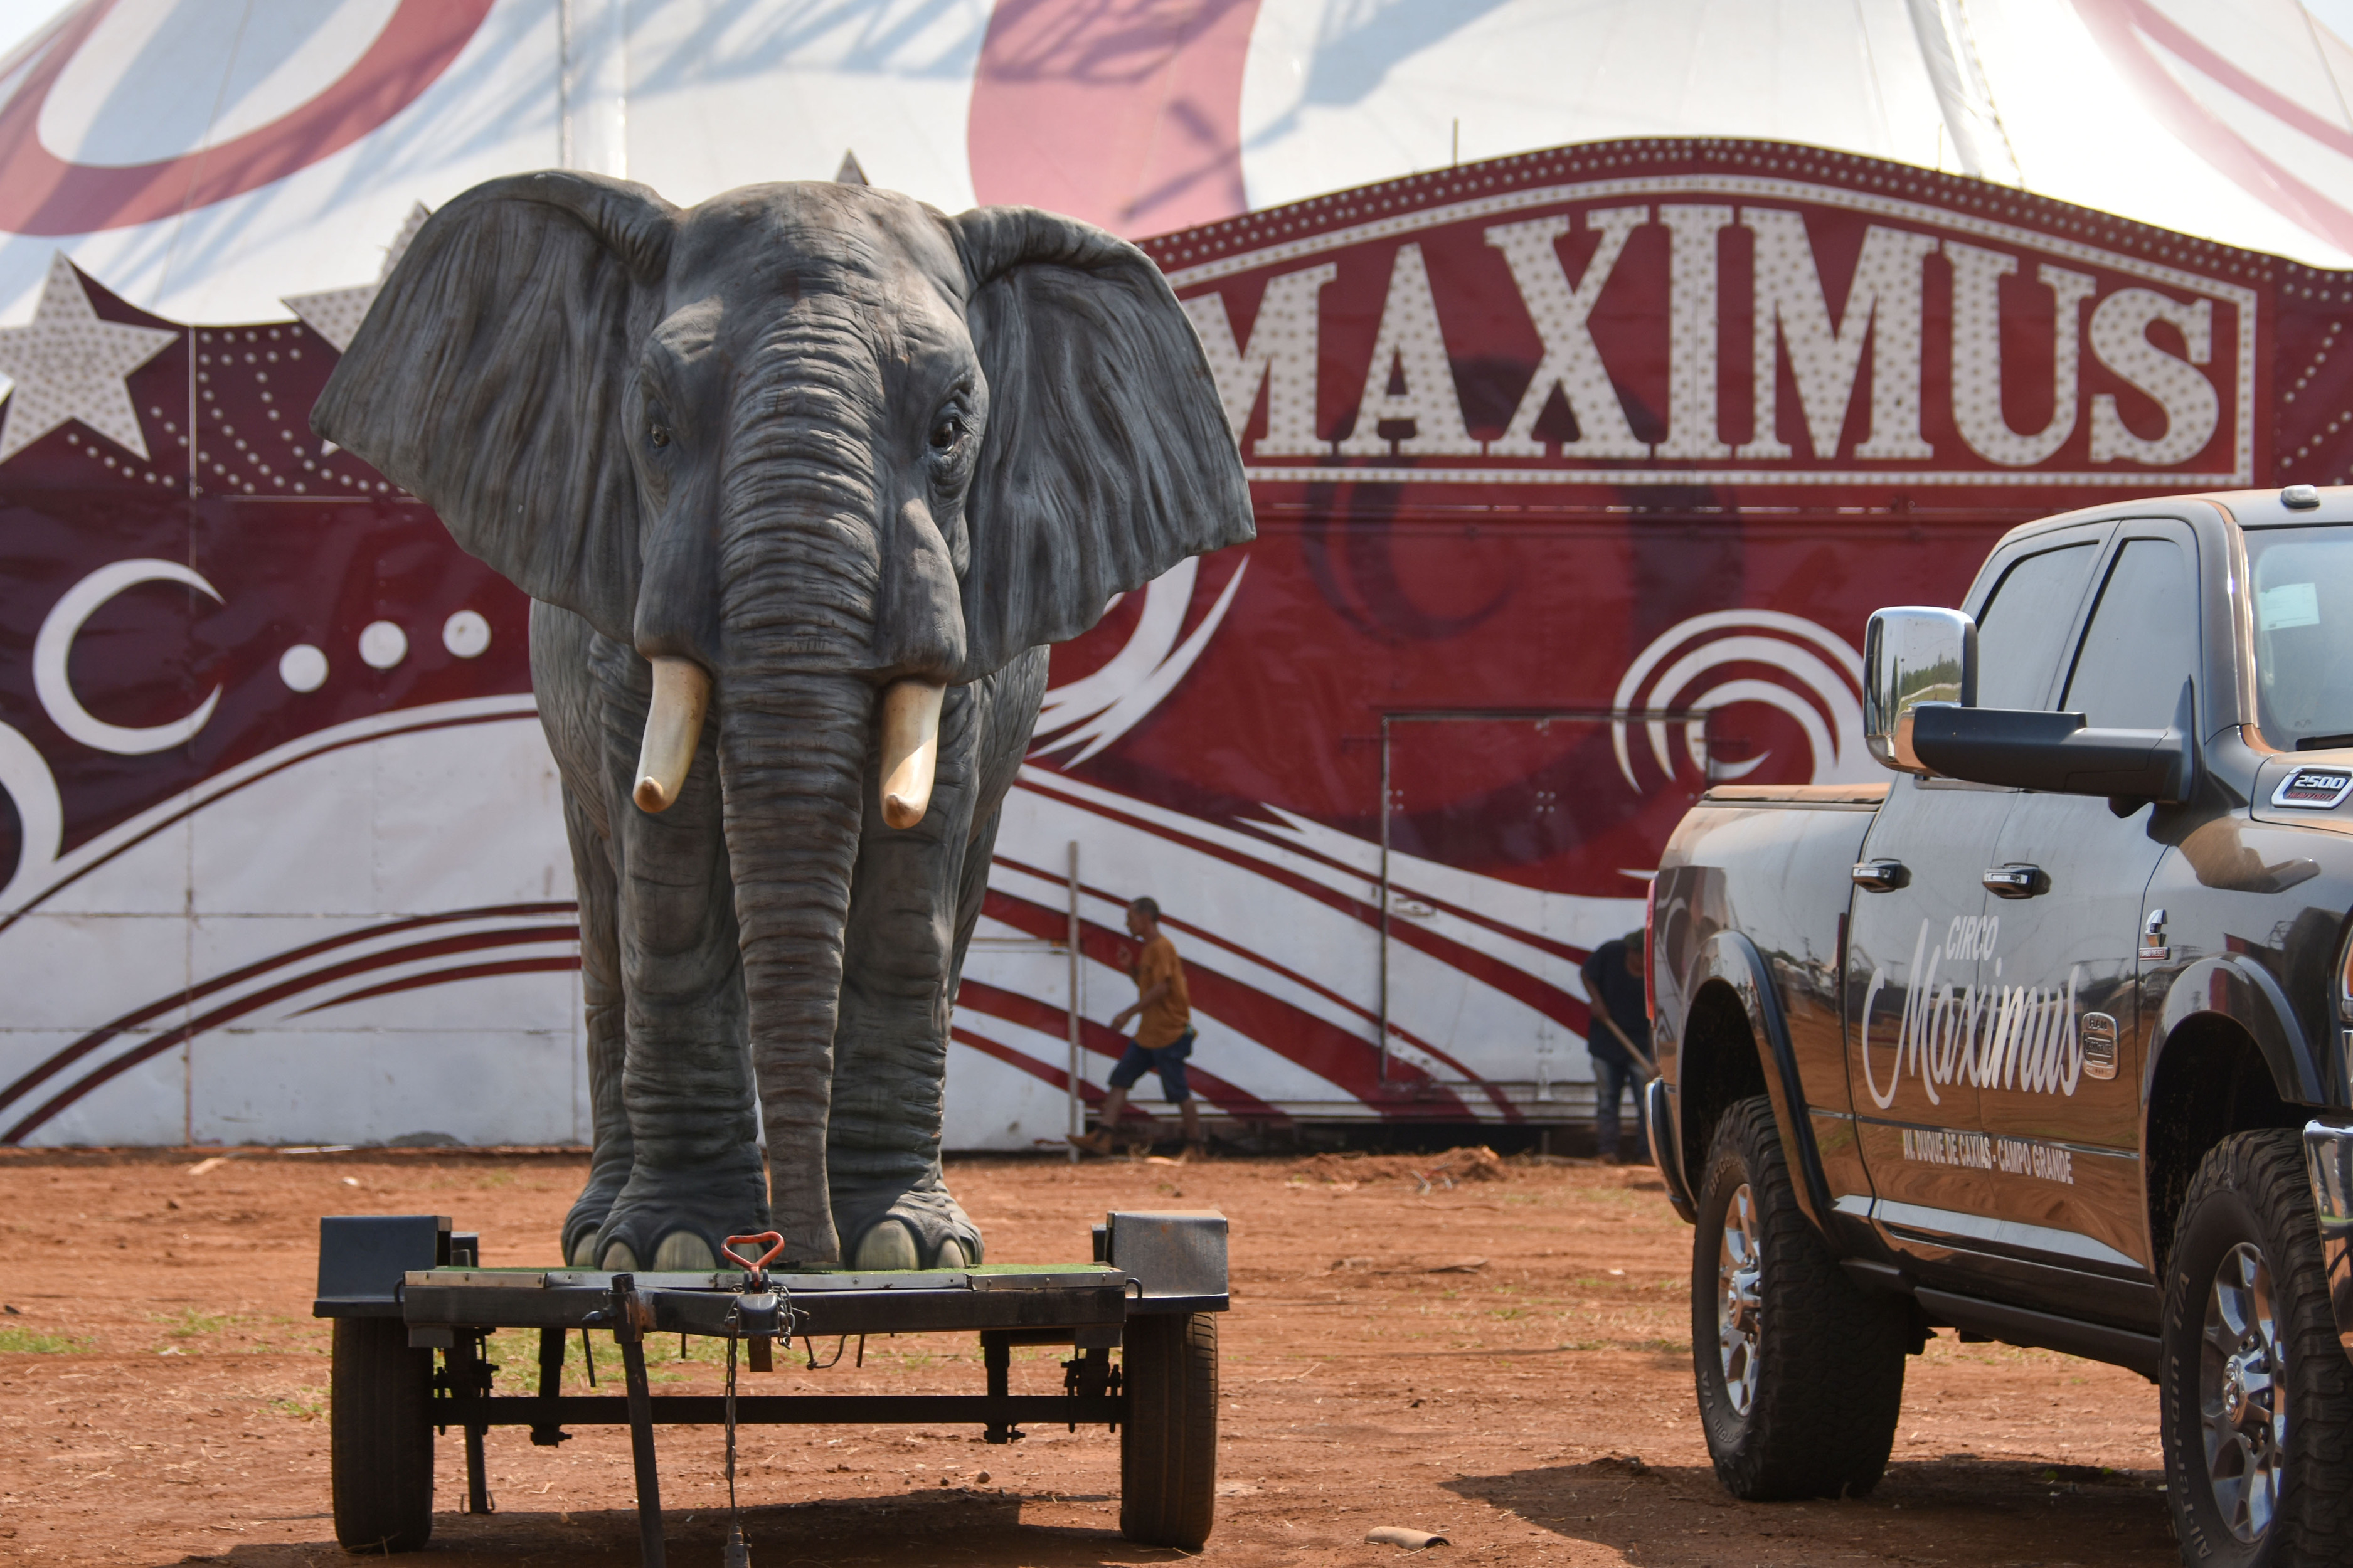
(801, 482)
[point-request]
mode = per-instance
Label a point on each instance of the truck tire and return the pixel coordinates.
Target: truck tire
(2255, 1393)
(1169, 1449)
(1800, 1370)
(380, 1436)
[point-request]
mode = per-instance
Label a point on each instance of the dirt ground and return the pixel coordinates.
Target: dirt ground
(1506, 1363)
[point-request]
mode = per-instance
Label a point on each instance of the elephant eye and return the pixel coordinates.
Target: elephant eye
(947, 433)
(658, 434)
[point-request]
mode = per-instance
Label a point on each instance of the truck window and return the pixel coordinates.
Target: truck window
(2022, 630)
(2142, 642)
(2303, 580)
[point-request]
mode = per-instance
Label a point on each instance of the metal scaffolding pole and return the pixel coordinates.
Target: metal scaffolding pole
(1077, 1116)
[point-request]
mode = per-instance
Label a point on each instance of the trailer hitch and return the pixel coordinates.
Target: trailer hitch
(755, 1289)
(758, 1313)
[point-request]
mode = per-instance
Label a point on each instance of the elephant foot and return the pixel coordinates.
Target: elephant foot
(911, 1230)
(606, 1180)
(676, 1222)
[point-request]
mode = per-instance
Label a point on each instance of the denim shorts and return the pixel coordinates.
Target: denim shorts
(1168, 1061)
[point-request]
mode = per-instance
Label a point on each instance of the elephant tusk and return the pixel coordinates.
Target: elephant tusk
(673, 727)
(911, 749)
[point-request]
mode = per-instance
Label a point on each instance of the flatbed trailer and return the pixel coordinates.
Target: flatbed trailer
(414, 1310)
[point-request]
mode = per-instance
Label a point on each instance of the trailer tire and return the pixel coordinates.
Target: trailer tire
(380, 1436)
(1169, 1449)
(1800, 1370)
(2278, 1489)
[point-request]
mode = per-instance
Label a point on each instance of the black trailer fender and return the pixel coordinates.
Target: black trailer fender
(1729, 957)
(2232, 986)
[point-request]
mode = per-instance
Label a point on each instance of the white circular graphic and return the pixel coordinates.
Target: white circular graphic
(302, 668)
(54, 647)
(1819, 686)
(26, 779)
(383, 644)
(466, 634)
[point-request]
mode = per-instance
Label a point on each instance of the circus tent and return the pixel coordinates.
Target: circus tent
(238, 671)
(207, 158)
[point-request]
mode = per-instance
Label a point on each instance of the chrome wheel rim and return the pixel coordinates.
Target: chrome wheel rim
(1736, 1306)
(2242, 1393)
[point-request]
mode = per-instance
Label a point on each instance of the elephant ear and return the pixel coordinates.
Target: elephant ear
(1108, 458)
(489, 377)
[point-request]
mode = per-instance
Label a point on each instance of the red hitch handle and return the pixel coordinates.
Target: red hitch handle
(773, 1240)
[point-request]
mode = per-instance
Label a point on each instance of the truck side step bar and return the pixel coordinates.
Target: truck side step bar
(2042, 1330)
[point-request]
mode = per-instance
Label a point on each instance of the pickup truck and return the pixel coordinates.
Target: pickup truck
(2045, 1039)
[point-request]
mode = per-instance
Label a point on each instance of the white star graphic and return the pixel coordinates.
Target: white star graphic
(335, 314)
(69, 364)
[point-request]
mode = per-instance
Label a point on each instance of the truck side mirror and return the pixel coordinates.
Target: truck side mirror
(2032, 749)
(1911, 655)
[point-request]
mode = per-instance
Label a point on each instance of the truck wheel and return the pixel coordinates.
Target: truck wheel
(380, 1436)
(2256, 1396)
(1800, 1370)
(1169, 1449)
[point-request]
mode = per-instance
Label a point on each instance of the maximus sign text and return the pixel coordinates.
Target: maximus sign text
(1723, 329)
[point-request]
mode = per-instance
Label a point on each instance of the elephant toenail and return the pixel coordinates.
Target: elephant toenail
(889, 1245)
(683, 1252)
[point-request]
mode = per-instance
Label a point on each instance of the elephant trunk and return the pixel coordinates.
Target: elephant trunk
(792, 760)
(818, 605)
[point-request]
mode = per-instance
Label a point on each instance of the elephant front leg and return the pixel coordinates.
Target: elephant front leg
(915, 900)
(614, 1151)
(696, 1177)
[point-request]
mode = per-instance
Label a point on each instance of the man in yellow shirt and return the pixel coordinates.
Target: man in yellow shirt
(1164, 1035)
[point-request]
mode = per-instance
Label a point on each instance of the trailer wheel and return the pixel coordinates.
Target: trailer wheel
(1801, 1371)
(2256, 1395)
(1169, 1449)
(380, 1436)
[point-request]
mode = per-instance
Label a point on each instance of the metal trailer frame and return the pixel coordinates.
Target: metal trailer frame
(1149, 1293)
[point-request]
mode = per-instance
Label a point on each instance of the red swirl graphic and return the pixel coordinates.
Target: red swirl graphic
(41, 194)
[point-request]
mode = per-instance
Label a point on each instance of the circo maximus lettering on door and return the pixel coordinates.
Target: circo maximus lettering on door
(2020, 1037)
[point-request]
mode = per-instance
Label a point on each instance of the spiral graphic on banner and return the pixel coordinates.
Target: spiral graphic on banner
(1817, 682)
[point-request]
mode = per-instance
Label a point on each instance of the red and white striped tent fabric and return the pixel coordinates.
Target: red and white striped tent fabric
(242, 681)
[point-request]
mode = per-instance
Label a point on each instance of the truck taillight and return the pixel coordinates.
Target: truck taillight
(1649, 950)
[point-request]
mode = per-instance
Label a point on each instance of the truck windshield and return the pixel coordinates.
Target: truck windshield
(2303, 581)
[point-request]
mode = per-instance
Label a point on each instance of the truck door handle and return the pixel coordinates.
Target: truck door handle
(1880, 876)
(2015, 881)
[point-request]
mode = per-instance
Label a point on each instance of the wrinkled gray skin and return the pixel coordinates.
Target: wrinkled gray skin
(814, 438)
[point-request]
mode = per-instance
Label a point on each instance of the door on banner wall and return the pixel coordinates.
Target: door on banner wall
(1514, 844)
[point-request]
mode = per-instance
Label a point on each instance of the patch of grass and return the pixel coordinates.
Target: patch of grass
(303, 1405)
(24, 1342)
(189, 1323)
(492, 1180)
